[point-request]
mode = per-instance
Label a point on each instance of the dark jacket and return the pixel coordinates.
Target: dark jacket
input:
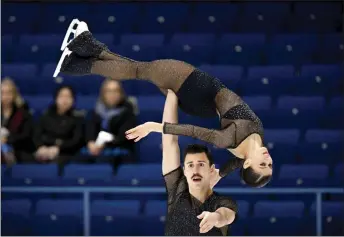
(117, 126)
(20, 126)
(64, 131)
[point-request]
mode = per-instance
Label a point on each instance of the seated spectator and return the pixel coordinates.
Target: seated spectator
(16, 125)
(59, 131)
(114, 114)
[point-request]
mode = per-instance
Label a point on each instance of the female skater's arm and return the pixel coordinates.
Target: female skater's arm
(221, 138)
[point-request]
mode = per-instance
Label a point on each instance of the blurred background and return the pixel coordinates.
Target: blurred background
(284, 58)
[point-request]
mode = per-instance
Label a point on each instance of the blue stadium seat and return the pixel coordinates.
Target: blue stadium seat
(337, 175)
(62, 217)
(240, 49)
(319, 8)
(330, 50)
(57, 16)
(302, 111)
(83, 85)
(271, 80)
(20, 17)
(145, 224)
(258, 102)
(31, 174)
(86, 102)
(228, 75)
(321, 78)
(276, 226)
(291, 49)
(192, 39)
(138, 52)
(161, 18)
(279, 209)
(152, 40)
(303, 175)
(263, 17)
(15, 217)
(329, 136)
(270, 8)
(280, 140)
(156, 208)
(21, 207)
(243, 208)
(19, 70)
(151, 103)
(323, 146)
(142, 174)
(115, 208)
(41, 40)
(39, 103)
(212, 18)
(82, 174)
(34, 53)
(195, 55)
(313, 23)
(150, 147)
(332, 217)
(114, 226)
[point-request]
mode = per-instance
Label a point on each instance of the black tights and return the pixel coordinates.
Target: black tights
(165, 73)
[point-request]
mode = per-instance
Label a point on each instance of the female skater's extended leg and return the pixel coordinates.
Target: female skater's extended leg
(165, 74)
(89, 56)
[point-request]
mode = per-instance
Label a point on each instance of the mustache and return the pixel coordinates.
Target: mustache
(196, 175)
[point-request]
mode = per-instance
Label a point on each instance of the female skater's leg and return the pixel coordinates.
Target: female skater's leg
(165, 74)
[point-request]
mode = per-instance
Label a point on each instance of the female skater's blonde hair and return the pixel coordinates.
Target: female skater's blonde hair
(103, 86)
(18, 99)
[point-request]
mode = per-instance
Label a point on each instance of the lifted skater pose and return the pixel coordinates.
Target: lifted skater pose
(199, 94)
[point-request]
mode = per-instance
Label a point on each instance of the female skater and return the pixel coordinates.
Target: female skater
(199, 94)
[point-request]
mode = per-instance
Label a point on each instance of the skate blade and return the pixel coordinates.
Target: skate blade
(69, 31)
(65, 53)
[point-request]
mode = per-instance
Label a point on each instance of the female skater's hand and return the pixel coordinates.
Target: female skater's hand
(209, 220)
(143, 130)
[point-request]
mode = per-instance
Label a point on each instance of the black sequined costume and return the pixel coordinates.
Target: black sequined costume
(199, 93)
(183, 208)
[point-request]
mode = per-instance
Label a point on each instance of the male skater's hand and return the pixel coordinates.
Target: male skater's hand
(209, 220)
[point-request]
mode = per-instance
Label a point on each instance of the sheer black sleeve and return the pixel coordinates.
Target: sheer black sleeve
(230, 166)
(221, 138)
(227, 202)
(176, 184)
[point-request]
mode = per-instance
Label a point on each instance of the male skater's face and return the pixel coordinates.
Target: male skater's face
(197, 170)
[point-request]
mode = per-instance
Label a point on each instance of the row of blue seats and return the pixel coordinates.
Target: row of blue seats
(296, 41)
(150, 174)
(197, 55)
(196, 49)
(163, 19)
(158, 208)
(268, 8)
(156, 103)
(56, 217)
(329, 72)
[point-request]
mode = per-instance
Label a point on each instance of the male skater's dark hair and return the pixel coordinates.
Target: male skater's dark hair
(196, 149)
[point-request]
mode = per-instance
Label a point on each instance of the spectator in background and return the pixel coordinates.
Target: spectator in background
(16, 124)
(59, 131)
(114, 114)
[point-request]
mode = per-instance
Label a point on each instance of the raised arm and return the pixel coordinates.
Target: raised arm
(221, 138)
(170, 146)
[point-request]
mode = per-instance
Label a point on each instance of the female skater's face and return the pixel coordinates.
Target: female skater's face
(197, 170)
(64, 100)
(112, 93)
(7, 94)
(260, 160)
